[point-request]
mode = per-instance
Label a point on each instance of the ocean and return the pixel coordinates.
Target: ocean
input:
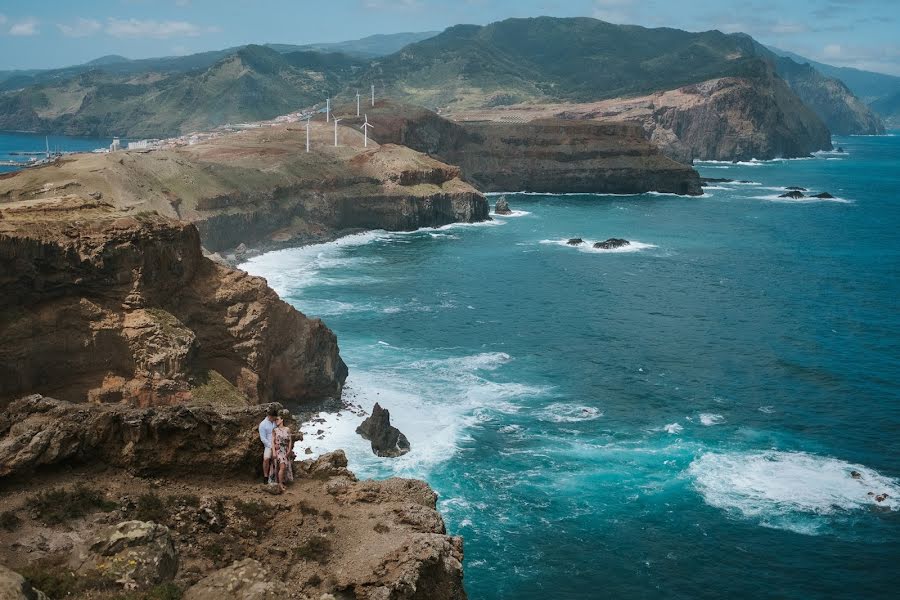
(33, 142)
(677, 419)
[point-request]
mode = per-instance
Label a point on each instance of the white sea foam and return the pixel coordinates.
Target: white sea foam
(673, 428)
(797, 491)
(715, 187)
(766, 409)
(805, 200)
(588, 246)
(514, 213)
(561, 412)
(710, 419)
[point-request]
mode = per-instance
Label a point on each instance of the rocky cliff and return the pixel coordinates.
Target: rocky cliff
(721, 119)
(157, 503)
(547, 155)
(105, 305)
(261, 188)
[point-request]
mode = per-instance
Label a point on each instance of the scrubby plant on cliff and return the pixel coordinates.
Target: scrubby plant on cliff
(60, 505)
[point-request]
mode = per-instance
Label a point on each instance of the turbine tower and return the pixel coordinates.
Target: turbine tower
(307, 132)
(357, 103)
(327, 108)
(336, 121)
(373, 94)
(365, 127)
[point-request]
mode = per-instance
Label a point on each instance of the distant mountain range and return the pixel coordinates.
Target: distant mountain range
(518, 60)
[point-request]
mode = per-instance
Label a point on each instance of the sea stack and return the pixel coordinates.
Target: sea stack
(386, 439)
(612, 244)
(502, 207)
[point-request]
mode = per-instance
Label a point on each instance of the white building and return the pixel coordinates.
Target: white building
(115, 146)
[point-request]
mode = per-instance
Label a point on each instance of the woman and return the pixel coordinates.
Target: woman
(281, 450)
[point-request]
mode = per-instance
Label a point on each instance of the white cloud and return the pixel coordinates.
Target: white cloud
(136, 28)
(80, 27)
(614, 11)
(832, 51)
(24, 27)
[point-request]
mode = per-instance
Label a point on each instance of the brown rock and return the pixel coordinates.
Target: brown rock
(14, 587)
(247, 579)
(136, 554)
(386, 439)
(502, 207)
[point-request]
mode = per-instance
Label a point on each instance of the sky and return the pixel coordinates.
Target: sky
(55, 33)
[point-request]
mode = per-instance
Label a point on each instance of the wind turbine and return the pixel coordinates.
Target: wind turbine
(365, 127)
(357, 103)
(307, 132)
(336, 121)
(373, 94)
(327, 108)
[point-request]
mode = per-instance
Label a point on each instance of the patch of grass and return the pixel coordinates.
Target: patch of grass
(150, 507)
(258, 514)
(165, 591)
(211, 388)
(60, 505)
(316, 548)
(306, 509)
(9, 520)
(60, 582)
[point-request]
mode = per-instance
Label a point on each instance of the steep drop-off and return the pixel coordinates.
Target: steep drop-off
(105, 305)
(549, 155)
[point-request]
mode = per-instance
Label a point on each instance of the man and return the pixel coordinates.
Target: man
(265, 436)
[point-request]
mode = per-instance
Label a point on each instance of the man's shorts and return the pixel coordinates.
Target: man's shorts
(267, 454)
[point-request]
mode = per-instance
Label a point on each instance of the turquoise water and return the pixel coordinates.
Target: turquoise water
(33, 142)
(675, 421)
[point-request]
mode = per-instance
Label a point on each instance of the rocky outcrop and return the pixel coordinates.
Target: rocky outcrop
(262, 189)
(386, 439)
(133, 554)
(14, 587)
(729, 118)
(246, 579)
(793, 194)
(612, 244)
(501, 207)
(104, 306)
(575, 241)
(548, 155)
(38, 432)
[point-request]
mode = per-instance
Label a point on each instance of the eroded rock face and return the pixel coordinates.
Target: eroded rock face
(14, 587)
(502, 207)
(36, 432)
(546, 155)
(104, 307)
(246, 579)
(386, 439)
(135, 554)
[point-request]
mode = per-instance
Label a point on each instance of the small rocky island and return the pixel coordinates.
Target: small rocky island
(612, 244)
(502, 207)
(386, 439)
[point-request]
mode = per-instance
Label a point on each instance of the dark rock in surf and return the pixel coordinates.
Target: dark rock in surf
(794, 194)
(796, 188)
(502, 207)
(840, 149)
(386, 439)
(855, 474)
(611, 244)
(824, 195)
(575, 242)
(713, 180)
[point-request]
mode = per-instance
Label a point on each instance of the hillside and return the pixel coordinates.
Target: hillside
(889, 108)
(252, 83)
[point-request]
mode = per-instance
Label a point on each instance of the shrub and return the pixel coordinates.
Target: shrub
(60, 505)
(316, 548)
(150, 507)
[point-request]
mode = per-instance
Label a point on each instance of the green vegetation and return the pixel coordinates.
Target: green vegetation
(150, 507)
(258, 514)
(60, 505)
(58, 582)
(211, 388)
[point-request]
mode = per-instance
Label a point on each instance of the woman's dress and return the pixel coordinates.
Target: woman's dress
(283, 452)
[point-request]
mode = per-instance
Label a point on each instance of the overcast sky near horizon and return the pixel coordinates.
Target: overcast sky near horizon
(55, 33)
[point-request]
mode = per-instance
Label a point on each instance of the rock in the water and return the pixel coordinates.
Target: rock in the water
(246, 579)
(611, 244)
(386, 439)
(575, 241)
(795, 188)
(136, 554)
(793, 194)
(823, 195)
(840, 149)
(502, 207)
(14, 587)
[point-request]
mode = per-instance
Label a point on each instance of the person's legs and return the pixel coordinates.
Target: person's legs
(281, 475)
(267, 459)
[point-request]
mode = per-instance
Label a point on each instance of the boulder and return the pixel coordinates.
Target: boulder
(136, 554)
(386, 439)
(794, 194)
(611, 244)
(331, 464)
(502, 207)
(823, 195)
(575, 241)
(840, 149)
(14, 587)
(247, 579)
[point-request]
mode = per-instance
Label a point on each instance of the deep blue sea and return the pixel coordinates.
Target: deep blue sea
(33, 142)
(678, 420)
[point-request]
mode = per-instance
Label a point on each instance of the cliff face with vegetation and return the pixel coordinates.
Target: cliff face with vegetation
(102, 306)
(549, 155)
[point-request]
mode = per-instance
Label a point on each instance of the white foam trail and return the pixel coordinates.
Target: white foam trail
(560, 412)
(710, 419)
(753, 162)
(805, 200)
(588, 246)
(715, 187)
(597, 194)
(789, 490)
(514, 213)
(768, 410)
(673, 428)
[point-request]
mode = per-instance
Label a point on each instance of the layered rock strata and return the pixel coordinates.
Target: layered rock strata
(105, 305)
(547, 155)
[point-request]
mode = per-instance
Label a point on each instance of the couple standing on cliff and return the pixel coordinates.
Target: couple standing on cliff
(277, 448)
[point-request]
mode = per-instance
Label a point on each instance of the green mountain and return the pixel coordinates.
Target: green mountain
(372, 46)
(889, 108)
(252, 83)
(546, 58)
